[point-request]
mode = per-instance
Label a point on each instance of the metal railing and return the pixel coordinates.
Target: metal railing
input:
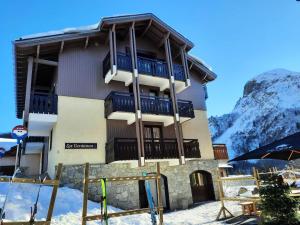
(124, 102)
(152, 67)
(126, 149)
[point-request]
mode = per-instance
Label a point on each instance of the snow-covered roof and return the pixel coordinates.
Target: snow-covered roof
(7, 143)
(120, 19)
(224, 165)
(201, 61)
(70, 30)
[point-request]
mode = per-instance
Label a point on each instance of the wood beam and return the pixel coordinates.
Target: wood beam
(164, 39)
(86, 42)
(45, 62)
(61, 47)
(191, 65)
(147, 28)
(28, 88)
(137, 97)
(177, 125)
(54, 192)
(185, 66)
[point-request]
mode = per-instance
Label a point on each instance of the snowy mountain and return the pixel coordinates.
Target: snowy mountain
(268, 110)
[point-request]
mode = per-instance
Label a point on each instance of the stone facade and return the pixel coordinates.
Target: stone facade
(125, 195)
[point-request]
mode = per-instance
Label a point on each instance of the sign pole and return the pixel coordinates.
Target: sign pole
(17, 157)
(20, 133)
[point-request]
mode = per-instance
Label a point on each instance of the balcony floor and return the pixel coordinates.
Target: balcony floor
(162, 83)
(130, 118)
(40, 124)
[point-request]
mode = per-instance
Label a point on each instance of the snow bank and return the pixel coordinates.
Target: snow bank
(68, 205)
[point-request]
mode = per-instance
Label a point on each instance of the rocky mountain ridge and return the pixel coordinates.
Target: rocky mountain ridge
(268, 110)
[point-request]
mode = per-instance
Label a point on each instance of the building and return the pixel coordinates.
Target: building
(121, 95)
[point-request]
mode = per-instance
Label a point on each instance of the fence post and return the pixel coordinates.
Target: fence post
(54, 192)
(160, 206)
(85, 192)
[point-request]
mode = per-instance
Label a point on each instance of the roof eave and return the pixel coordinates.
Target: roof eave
(146, 16)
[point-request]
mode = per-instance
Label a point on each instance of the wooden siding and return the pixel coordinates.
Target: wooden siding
(120, 129)
(220, 151)
(80, 74)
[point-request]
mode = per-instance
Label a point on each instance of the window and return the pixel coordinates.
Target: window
(153, 93)
(130, 88)
(166, 95)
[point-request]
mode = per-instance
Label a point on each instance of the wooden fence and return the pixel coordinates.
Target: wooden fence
(87, 181)
(54, 183)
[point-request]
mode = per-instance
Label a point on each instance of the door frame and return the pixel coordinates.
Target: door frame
(155, 126)
(143, 201)
(208, 187)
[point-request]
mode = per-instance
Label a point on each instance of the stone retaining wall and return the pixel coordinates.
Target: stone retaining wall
(125, 195)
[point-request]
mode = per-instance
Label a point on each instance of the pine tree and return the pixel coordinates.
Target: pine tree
(278, 207)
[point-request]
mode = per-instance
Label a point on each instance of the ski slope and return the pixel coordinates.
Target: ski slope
(67, 210)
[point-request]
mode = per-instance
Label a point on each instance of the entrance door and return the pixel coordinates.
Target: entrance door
(153, 137)
(202, 186)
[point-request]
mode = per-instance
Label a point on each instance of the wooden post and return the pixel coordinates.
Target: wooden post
(185, 66)
(160, 205)
(177, 125)
(255, 175)
(54, 192)
(137, 97)
(112, 47)
(85, 192)
(28, 87)
(221, 194)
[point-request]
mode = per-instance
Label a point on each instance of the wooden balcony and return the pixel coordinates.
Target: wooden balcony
(42, 114)
(153, 72)
(43, 103)
(220, 151)
(120, 149)
(120, 106)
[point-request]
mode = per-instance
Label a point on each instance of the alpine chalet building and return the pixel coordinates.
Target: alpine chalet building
(121, 95)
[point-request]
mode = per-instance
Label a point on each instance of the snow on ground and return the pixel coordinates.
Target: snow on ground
(67, 210)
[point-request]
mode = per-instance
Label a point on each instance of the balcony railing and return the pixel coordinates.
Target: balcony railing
(220, 151)
(43, 103)
(124, 102)
(153, 67)
(35, 139)
(126, 149)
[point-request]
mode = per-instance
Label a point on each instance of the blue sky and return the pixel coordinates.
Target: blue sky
(239, 39)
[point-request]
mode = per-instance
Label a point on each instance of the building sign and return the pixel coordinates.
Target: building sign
(80, 145)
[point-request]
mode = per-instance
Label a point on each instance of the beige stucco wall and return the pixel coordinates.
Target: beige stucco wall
(80, 120)
(197, 128)
(31, 163)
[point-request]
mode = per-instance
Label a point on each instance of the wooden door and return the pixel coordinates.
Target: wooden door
(201, 186)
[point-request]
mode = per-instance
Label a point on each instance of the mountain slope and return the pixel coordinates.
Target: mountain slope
(268, 110)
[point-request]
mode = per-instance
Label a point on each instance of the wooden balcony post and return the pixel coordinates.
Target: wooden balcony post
(28, 88)
(137, 97)
(177, 126)
(113, 48)
(185, 66)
